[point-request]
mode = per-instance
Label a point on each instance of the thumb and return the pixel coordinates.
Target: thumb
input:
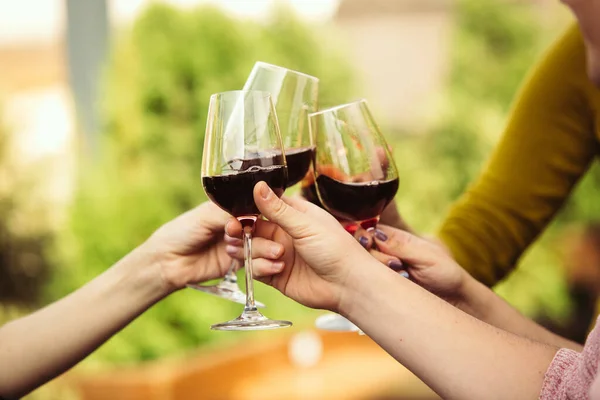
(293, 221)
(207, 215)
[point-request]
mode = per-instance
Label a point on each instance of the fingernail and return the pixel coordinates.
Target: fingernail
(364, 242)
(275, 250)
(396, 265)
(229, 249)
(380, 235)
(264, 191)
(404, 273)
(278, 266)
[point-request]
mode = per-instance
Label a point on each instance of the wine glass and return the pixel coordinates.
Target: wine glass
(242, 147)
(294, 95)
(355, 174)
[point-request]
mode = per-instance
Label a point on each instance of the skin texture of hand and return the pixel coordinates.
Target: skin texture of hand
(191, 248)
(367, 240)
(315, 273)
(428, 265)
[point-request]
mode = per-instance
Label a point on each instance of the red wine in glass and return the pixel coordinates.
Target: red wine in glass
(309, 192)
(234, 192)
(298, 163)
(357, 201)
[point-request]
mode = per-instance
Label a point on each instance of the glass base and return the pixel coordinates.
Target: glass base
(227, 290)
(250, 320)
(336, 323)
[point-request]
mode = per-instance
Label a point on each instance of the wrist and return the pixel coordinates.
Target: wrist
(359, 284)
(141, 271)
(472, 298)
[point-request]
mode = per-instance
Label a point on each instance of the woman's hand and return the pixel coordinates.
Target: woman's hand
(428, 264)
(191, 248)
(318, 253)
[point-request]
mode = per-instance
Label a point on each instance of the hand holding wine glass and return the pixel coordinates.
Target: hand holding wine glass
(318, 253)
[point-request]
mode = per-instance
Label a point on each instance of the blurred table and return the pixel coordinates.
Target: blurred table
(348, 366)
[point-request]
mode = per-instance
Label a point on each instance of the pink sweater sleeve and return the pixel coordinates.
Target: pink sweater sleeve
(571, 374)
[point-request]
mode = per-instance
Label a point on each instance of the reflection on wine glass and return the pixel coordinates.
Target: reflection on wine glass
(355, 175)
(294, 95)
(242, 147)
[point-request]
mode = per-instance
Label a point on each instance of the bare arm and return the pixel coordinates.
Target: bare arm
(455, 354)
(41, 346)
(37, 348)
(431, 267)
(487, 306)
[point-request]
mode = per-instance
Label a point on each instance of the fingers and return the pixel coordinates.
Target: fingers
(208, 215)
(263, 269)
(261, 248)
(406, 246)
(391, 261)
(262, 228)
(233, 228)
(289, 214)
(364, 238)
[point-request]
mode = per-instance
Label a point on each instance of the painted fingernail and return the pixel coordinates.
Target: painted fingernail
(404, 273)
(380, 235)
(364, 242)
(396, 265)
(264, 190)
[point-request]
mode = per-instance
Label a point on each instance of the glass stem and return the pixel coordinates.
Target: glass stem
(230, 276)
(250, 306)
(370, 225)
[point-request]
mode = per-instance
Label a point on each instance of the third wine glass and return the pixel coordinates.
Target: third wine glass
(355, 174)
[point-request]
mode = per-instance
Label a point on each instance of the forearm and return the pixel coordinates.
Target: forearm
(41, 346)
(487, 306)
(457, 355)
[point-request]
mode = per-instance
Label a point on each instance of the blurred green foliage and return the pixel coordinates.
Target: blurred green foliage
(158, 83)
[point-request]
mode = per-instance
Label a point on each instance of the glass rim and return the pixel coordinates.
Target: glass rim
(339, 107)
(278, 67)
(237, 93)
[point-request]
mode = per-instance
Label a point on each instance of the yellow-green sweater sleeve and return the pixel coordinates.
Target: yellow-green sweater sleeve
(546, 147)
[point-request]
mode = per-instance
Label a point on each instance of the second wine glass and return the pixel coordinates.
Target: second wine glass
(294, 96)
(355, 175)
